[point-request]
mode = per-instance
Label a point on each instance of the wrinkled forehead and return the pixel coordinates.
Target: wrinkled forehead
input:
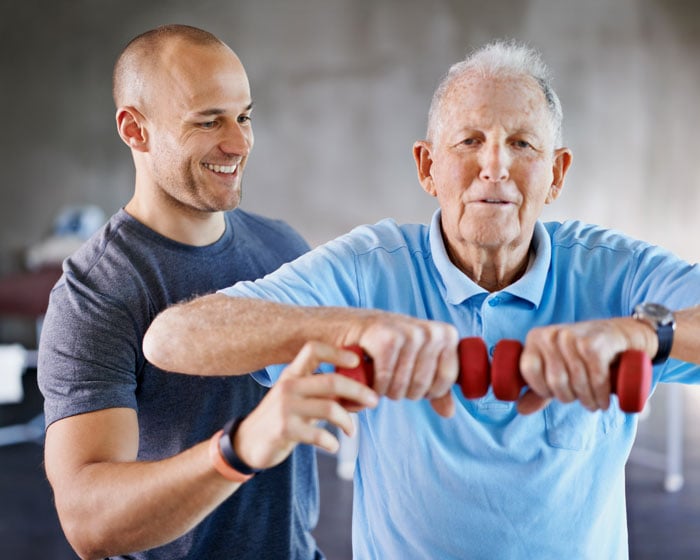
(476, 100)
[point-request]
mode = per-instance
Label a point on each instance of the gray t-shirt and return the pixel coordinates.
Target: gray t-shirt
(90, 358)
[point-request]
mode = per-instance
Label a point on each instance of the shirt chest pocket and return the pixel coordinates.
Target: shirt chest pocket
(571, 426)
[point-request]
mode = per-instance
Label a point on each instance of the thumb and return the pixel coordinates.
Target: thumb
(531, 402)
(444, 405)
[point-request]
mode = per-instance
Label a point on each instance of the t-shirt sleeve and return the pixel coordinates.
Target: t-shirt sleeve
(87, 354)
(664, 278)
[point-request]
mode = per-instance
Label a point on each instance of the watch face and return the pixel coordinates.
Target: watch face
(662, 320)
(655, 311)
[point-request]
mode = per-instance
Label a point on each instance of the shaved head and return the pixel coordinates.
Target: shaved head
(145, 54)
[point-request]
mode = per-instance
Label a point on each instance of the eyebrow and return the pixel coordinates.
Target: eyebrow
(214, 111)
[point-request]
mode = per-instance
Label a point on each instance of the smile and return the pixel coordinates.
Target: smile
(230, 169)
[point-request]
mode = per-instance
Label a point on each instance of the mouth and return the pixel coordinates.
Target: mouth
(222, 169)
(496, 201)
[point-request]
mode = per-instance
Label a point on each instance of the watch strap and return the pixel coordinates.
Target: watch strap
(227, 450)
(665, 336)
(661, 319)
(220, 464)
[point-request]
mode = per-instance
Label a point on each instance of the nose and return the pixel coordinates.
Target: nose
(494, 163)
(237, 139)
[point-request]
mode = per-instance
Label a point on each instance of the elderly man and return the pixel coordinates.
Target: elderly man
(129, 449)
(482, 478)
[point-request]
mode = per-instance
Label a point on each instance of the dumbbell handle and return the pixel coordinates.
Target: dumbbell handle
(630, 375)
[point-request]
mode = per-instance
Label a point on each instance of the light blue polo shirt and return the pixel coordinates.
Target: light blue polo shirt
(489, 483)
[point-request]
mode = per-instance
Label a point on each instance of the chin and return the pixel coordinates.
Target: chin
(231, 200)
(231, 204)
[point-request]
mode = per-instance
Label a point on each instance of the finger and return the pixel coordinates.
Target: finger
(334, 387)
(531, 402)
(385, 360)
(532, 369)
(598, 373)
(444, 406)
(555, 373)
(311, 434)
(323, 439)
(314, 353)
(312, 411)
(579, 380)
(406, 363)
(436, 366)
(447, 369)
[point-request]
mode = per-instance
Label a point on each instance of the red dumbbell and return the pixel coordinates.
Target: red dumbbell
(630, 375)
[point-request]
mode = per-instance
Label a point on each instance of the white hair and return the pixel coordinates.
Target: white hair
(501, 58)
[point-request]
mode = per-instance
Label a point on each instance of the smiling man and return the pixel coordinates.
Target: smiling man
(483, 479)
(136, 457)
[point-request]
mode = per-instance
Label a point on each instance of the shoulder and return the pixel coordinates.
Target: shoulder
(593, 247)
(387, 236)
(577, 234)
(107, 246)
(268, 229)
(114, 263)
(263, 224)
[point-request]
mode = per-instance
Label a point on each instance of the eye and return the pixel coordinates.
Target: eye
(207, 125)
(470, 141)
(522, 144)
(243, 119)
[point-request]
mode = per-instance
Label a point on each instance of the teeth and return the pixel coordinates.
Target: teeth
(221, 168)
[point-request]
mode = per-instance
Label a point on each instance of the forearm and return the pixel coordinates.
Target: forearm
(217, 334)
(686, 340)
(114, 508)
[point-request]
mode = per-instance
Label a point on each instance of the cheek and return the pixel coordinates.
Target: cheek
(453, 178)
(536, 181)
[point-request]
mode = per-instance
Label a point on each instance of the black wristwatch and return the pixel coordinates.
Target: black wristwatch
(661, 319)
(228, 451)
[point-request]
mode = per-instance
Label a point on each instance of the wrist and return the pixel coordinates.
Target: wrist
(228, 447)
(224, 457)
(641, 336)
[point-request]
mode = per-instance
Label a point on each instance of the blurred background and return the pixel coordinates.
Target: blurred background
(342, 88)
(341, 91)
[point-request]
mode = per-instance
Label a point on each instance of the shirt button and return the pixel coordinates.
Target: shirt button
(495, 301)
(492, 350)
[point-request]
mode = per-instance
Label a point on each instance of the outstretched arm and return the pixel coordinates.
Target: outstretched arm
(218, 334)
(109, 503)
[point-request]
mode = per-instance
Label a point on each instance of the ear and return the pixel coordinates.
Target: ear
(424, 164)
(132, 129)
(560, 165)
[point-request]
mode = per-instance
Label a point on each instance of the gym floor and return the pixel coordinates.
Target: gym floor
(661, 524)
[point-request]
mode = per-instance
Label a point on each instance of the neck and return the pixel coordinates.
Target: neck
(492, 270)
(190, 228)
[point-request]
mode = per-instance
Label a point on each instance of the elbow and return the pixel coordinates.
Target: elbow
(79, 538)
(93, 538)
(153, 346)
(163, 344)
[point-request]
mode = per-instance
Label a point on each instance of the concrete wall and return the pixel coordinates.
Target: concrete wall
(342, 89)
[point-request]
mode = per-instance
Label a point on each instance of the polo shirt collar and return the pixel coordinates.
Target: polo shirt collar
(459, 287)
